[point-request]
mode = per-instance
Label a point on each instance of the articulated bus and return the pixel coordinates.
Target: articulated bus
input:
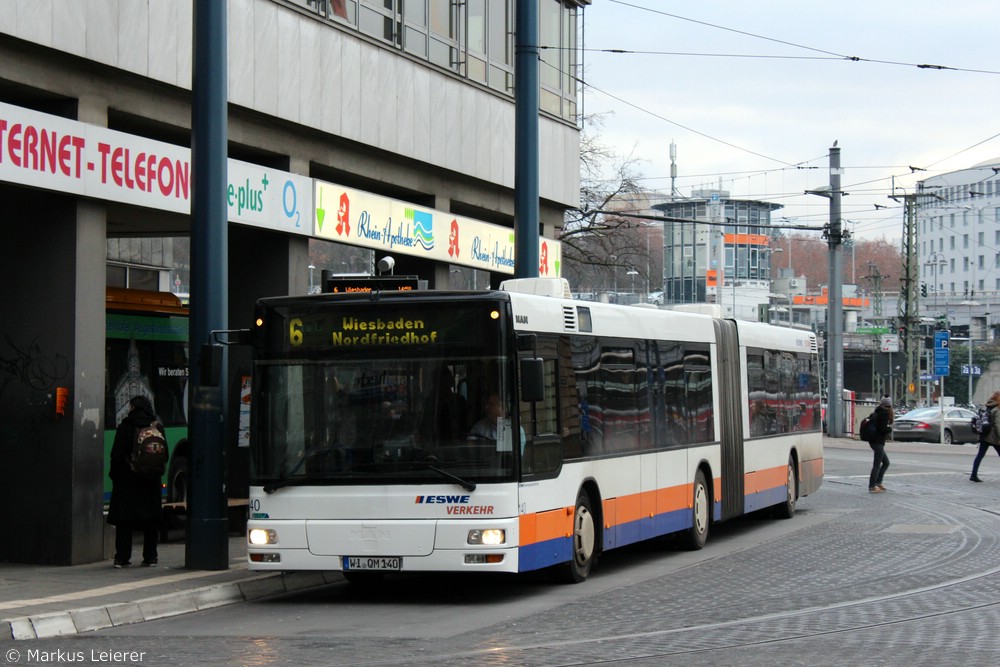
(605, 425)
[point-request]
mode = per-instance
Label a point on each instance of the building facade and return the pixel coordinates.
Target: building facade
(404, 106)
(727, 261)
(958, 244)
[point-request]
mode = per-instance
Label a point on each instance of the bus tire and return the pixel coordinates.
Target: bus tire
(694, 538)
(584, 540)
(786, 510)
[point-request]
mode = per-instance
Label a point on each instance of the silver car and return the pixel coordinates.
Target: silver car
(924, 424)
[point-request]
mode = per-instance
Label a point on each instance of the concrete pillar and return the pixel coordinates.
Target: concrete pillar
(52, 338)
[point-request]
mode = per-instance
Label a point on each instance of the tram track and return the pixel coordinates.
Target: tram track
(977, 592)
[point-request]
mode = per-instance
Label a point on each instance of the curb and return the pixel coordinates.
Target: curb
(62, 623)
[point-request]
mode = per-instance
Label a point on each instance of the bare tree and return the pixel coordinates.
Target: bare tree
(596, 241)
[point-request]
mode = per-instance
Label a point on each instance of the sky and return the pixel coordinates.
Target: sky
(753, 93)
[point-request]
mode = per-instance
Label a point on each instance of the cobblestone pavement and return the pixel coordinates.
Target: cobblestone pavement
(909, 577)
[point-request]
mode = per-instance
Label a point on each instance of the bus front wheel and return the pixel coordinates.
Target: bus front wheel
(584, 539)
(696, 536)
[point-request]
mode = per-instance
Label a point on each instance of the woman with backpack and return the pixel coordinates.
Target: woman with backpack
(989, 438)
(883, 427)
(136, 498)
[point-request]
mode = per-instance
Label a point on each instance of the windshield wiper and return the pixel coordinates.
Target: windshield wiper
(464, 483)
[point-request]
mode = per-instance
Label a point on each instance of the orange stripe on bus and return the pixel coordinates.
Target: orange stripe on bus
(630, 507)
(673, 498)
(553, 524)
(545, 526)
(762, 480)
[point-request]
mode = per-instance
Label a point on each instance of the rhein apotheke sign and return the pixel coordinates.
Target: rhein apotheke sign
(388, 225)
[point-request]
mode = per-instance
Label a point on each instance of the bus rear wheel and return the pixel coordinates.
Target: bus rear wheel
(786, 510)
(696, 536)
(584, 539)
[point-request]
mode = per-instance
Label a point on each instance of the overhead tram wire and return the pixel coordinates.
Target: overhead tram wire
(682, 126)
(833, 54)
(657, 218)
(769, 56)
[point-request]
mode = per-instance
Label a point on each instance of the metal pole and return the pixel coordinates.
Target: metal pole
(970, 356)
(207, 545)
(835, 312)
(526, 214)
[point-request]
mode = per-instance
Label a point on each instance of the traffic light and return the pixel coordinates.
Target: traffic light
(923, 289)
(902, 332)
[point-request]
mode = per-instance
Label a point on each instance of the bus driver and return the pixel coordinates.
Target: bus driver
(486, 428)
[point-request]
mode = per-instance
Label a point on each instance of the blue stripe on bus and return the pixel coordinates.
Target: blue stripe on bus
(560, 550)
(755, 501)
(544, 554)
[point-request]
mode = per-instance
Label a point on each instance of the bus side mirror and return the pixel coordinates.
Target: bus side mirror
(532, 385)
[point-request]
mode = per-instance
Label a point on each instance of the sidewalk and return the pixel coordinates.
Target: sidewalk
(41, 601)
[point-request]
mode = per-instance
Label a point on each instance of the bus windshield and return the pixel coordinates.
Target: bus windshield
(380, 411)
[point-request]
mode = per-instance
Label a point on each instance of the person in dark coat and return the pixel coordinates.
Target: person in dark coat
(136, 502)
(991, 438)
(883, 427)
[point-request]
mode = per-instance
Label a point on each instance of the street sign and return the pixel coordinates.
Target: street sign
(889, 342)
(942, 352)
(942, 361)
(926, 378)
(971, 370)
(872, 330)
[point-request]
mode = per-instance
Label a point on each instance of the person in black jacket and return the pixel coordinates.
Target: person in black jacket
(136, 502)
(883, 427)
(990, 438)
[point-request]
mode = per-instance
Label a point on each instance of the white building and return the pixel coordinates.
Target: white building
(958, 243)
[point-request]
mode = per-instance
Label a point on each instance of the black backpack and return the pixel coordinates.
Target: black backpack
(982, 423)
(868, 428)
(149, 452)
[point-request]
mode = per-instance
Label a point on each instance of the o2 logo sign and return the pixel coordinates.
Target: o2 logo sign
(290, 204)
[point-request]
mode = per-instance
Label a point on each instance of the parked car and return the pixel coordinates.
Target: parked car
(924, 424)
(655, 298)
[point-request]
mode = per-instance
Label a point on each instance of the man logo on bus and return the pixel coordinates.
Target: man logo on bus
(543, 265)
(453, 239)
(344, 216)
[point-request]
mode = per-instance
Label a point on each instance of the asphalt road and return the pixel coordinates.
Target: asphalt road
(909, 577)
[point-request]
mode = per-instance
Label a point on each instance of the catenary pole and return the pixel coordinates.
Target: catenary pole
(526, 214)
(207, 546)
(835, 311)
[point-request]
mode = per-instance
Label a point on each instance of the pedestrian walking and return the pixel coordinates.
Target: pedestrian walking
(883, 426)
(989, 438)
(136, 501)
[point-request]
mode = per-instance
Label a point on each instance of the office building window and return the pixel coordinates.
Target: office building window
(965, 240)
(472, 38)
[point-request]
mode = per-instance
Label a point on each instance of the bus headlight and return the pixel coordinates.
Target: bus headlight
(490, 536)
(260, 536)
